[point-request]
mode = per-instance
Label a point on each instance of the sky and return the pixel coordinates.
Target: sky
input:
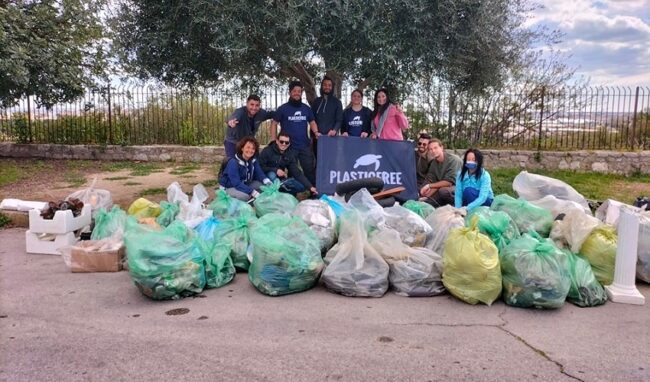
(608, 40)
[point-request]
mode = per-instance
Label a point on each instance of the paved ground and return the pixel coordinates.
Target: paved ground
(58, 326)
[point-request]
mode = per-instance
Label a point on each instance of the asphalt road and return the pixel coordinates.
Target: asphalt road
(59, 326)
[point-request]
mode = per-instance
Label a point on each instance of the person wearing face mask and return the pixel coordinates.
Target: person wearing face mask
(243, 176)
(473, 182)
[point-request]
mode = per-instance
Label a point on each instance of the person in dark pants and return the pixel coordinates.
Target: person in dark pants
(441, 176)
(297, 120)
(279, 161)
(244, 122)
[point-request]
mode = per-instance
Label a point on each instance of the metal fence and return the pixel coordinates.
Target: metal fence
(533, 117)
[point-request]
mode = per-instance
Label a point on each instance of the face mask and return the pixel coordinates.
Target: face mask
(470, 165)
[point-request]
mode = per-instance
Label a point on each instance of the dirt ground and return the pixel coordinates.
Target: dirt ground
(55, 181)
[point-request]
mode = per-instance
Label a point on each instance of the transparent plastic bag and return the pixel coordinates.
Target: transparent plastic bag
(527, 216)
(413, 230)
(219, 269)
(534, 187)
(558, 206)
(415, 272)
(168, 213)
(354, 268)
(600, 250)
(320, 217)
(496, 224)
(225, 206)
(205, 230)
(286, 255)
(271, 200)
(421, 208)
(236, 233)
(192, 213)
(109, 224)
(585, 290)
(167, 264)
(442, 221)
(471, 270)
(535, 273)
(573, 229)
(96, 198)
(372, 214)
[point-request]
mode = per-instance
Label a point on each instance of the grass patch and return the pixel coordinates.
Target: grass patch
(132, 184)
(184, 169)
(4, 220)
(74, 180)
(10, 174)
(153, 191)
(118, 178)
(136, 168)
(210, 183)
(591, 185)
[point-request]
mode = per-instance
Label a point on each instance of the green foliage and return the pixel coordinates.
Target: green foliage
(4, 220)
(51, 50)
(153, 191)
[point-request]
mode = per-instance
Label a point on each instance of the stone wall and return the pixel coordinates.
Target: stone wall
(600, 161)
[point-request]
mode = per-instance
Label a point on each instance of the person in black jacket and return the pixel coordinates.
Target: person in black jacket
(327, 109)
(244, 122)
(278, 161)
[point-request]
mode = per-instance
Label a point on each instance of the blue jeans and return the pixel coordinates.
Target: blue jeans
(470, 194)
(229, 148)
(290, 185)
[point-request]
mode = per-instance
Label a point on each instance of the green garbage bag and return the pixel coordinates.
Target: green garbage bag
(165, 264)
(225, 206)
(168, 214)
(219, 268)
(286, 255)
(526, 216)
(109, 223)
(496, 224)
(470, 269)
(600, 250)
(585, 289)
(535, 273)
(236, 233)
(421, 208)
(272, 200)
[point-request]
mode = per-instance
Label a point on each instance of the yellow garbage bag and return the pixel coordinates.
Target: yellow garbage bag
(143, 208)
(471, 269)
(600, 251)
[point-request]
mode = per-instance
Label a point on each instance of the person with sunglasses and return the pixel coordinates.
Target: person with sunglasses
(279, 161)
(422, 159)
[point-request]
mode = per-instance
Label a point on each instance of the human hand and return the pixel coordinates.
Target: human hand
(344, 134)
(364, 134)
(233, 122)
(331, 133)
(281, 173)
(255, 194)
(373, 136)
(313, 190)
(426, 190)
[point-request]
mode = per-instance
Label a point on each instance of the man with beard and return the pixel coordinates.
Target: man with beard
(441, 177)
(327, 109)
(422, 159)
(244, 122)
(296, 119)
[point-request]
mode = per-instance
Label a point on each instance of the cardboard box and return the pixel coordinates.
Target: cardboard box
(84, 257)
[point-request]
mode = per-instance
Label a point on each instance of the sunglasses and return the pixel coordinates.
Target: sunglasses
(422, 143)
(283, 142)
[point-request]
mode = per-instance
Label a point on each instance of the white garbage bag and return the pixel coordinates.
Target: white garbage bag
(96, 198)
(534, 187)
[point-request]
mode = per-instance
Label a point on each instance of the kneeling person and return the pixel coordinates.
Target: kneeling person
(243, 176)
(278, 161)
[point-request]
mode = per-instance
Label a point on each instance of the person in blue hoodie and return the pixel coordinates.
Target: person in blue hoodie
(243, 176)
(473, 182)
(297, 120)
(327, 109)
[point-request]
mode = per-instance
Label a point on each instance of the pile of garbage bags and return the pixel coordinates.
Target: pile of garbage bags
(272, 200)
(320, 217)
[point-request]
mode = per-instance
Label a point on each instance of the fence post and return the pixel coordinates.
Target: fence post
(110, 117)
(541, 120)
(29, 119)
(636, 105)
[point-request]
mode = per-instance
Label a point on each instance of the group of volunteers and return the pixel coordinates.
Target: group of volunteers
(290, 157)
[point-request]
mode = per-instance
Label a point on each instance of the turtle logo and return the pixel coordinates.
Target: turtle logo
(357, 118)
(297, 113)
(367, 160)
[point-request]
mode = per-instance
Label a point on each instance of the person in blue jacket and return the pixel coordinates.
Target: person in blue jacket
(473, 182)
(356, 117)
(243, 175)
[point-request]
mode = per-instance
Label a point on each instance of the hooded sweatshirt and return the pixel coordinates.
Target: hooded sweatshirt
(328, 112)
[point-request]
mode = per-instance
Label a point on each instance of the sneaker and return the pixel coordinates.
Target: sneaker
(303, 195)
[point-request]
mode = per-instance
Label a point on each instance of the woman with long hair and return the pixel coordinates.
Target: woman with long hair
(387, 119)
(356, 117)
(243, 176)
(473, 182)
